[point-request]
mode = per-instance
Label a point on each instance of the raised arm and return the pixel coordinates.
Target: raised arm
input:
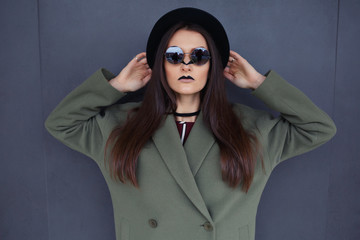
(77, 121)
(301, 126)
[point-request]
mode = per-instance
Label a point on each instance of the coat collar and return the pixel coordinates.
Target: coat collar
(178, 157)
(198, 144)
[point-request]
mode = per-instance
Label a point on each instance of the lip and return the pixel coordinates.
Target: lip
(186, 79)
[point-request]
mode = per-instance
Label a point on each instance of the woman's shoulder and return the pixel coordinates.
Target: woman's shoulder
(244, 111)
(114, 116)
(252, 118)
(120, 110)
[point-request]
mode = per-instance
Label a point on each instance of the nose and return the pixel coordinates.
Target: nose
(187, 58)
(185, 66)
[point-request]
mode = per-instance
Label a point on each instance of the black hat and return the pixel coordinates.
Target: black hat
(188, 15)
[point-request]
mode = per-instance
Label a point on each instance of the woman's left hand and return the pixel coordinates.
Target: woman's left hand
(241, 73)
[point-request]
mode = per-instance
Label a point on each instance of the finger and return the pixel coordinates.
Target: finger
(143, 67)
(147, 78)
(140, 56)
(228, 76)
(138, 59)
(134, 60)
(231, 59)
(143, 60)
(236, 56)
(145, 73)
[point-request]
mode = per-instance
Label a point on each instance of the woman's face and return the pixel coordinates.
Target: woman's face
(187, 40)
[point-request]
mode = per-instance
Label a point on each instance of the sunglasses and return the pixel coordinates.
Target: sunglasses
(175, 55)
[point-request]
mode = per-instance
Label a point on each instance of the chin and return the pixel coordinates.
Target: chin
(188, 93)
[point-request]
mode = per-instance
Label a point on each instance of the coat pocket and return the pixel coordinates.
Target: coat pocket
(244, 233)
(124, 230)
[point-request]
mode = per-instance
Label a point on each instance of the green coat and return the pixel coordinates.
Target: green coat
(182, 195)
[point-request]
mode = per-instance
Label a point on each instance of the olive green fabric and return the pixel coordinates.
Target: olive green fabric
(181, 194)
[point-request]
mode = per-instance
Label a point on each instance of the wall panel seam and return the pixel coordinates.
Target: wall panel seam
(333, 113)
(43, 114)
(336, 59)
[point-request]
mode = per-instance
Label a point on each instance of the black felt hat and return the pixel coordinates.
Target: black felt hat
(188, 15)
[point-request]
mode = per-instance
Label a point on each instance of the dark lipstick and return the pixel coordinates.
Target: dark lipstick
(185, 77)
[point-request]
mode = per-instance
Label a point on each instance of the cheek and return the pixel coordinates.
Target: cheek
(169, 71)
(205, 73)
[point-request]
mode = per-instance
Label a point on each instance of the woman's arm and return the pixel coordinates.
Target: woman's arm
(77, 121)
(301, 126)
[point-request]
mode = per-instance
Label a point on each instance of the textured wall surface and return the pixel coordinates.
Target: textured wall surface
(49, 47)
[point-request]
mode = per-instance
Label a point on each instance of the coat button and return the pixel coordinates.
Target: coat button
(153, 223)
(208, 227)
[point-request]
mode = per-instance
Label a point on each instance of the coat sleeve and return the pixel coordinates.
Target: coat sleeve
(301, 126)
(76, 121)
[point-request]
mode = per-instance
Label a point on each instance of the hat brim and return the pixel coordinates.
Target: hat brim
(188, 15)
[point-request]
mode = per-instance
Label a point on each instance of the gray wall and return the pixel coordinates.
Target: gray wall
(48, 47)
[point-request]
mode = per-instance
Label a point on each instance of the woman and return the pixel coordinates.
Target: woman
(184, 163)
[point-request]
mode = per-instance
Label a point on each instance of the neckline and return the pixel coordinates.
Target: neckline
(186, 114)
(183, 122)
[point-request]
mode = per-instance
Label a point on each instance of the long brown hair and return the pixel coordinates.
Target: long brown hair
(238, 148)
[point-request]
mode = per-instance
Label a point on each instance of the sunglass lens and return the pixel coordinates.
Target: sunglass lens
(200, 56)
(174, 55)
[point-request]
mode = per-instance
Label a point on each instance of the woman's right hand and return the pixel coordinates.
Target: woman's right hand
(134, 76)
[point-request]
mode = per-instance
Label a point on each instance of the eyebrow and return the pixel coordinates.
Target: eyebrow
(190, 49)
(199, 47)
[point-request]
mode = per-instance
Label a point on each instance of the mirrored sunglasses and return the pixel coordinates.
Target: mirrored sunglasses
(175, 55)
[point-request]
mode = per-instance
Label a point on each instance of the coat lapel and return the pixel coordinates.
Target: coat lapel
(167, 141)
(198, 144)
